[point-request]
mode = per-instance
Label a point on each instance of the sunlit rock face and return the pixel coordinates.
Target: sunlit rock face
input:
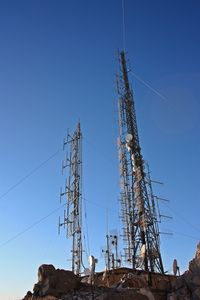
(187, 286)
(119, 284)
(54, 282)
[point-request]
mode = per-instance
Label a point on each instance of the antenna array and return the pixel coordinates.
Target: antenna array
(73, 193)
(138, 210)
(110, 252)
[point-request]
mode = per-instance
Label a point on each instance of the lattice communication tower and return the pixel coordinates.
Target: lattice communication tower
(73, 193)
(138, 211)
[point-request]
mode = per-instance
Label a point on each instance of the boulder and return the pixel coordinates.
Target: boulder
(54, 282)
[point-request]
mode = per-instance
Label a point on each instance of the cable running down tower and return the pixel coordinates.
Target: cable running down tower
(138, 212)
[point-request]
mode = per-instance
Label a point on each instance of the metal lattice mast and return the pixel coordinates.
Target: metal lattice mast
(140, 225)
(110, 252)
(73, 193)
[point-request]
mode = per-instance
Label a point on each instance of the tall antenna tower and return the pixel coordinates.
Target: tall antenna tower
(73, 193)
(138, 211)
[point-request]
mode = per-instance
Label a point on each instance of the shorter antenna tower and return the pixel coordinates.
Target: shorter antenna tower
(73, 194)
(110, 252)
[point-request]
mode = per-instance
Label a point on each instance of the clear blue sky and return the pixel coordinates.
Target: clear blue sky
(58, 61)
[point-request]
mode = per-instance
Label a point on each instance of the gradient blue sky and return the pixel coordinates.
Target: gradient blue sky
(58, 61)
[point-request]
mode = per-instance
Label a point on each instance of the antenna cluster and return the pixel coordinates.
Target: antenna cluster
(138, 210)
(110, 252)
(72, 220)
(140, 213)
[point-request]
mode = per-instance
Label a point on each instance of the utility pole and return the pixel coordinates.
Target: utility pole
(140, 224)
(73, 193)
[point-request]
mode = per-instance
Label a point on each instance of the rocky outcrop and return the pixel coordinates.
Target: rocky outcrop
(119, 284)
(103, 293)
(54, 282)
(88, 293)
(187, 286)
